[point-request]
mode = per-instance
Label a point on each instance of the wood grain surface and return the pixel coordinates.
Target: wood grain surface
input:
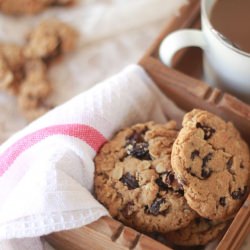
(104, 234)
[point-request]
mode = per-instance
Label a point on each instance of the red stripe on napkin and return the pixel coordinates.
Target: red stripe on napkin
(83, 132)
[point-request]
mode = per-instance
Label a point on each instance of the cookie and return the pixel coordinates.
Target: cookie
(23, 70)
(27, 79)
(211, 160)
(11, 67)
(49, 40)
(34, 90)
(199, 232)
(18, 7)
(135, 182)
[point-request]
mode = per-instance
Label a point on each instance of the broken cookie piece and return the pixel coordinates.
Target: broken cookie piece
(6, 75)
(34, 90)
(11, 67)
(23, 70)
(20, 7)
(49, 40)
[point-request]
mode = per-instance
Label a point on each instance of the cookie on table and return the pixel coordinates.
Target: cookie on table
(211, 160)
(49, 40)
(18, 7)
(11, 67)
(199, 232)
(135, 182)
(24, 70)
(34, 90)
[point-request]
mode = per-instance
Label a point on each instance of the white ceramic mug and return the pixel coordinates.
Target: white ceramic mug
(225, 66)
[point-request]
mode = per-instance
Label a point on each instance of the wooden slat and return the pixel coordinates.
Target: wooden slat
(106, 226)
(189, 93)
(104, 234)
(238, 229)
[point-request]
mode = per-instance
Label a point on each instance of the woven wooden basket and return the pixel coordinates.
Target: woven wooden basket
(185, 88)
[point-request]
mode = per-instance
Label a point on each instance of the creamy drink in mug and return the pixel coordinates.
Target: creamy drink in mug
(225, 40)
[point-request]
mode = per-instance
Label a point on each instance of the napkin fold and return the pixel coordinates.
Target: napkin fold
(47, 169)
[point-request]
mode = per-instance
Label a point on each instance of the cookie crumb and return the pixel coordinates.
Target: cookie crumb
(49, 40)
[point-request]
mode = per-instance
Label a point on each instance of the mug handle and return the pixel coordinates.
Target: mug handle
(178, 40)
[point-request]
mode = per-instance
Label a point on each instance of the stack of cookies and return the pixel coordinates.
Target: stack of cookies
(184, 184)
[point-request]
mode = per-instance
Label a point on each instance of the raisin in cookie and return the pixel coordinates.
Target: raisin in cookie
(49, 40)
(211, 160)
(199, 232)
(135, 181)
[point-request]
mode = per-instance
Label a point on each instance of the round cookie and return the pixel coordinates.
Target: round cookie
(211, 160)
(199, 232)
(135, 182)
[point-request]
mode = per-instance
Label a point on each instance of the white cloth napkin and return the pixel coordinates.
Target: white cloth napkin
(46, 170)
